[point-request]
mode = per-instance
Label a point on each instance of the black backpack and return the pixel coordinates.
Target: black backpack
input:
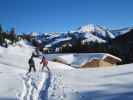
(31, 61)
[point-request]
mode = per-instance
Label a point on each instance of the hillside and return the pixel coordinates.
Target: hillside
(60, 82)
(85, 34)
(124, 44)
(15, 83)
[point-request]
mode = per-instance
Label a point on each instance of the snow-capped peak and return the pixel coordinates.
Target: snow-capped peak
(96, 30)
(87, 28)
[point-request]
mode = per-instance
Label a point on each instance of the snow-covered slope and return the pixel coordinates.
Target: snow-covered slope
(15, 83)
(92, 38)
(114, 83)
(66, 83)
(97, 30)
(118, 32)
(10, 78)
(57, 41)
(86, 33)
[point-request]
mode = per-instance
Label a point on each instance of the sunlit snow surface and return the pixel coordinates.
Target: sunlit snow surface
(16, 83)
(60, 82)
(93, 84)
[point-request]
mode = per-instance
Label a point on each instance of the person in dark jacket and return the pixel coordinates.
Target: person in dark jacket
(44, 61)
(31, 64)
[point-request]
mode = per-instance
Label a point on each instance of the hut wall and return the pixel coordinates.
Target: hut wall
(97, 63)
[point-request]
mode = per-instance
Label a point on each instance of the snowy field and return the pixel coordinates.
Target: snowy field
(15, 83)
(60, 82)
(93, 84)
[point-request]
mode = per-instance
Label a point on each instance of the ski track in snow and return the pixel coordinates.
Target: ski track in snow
(28, 89)
(34, 85)
(43, 95)
(57, 88)
(36, 88)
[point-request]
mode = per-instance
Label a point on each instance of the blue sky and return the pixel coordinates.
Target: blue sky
(64, 15)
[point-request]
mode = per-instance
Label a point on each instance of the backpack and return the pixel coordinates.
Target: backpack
(31, 61)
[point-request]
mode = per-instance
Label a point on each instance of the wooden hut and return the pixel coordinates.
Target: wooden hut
(84, 60)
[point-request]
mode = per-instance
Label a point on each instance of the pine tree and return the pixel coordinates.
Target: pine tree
(13, 36)
(1, 35)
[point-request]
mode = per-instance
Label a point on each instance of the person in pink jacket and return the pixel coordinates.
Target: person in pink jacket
(44, 61)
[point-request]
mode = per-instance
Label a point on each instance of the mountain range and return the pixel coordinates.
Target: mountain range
(89, 38)
(87, 33)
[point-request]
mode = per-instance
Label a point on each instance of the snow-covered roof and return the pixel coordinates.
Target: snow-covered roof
(82, 58)
(67, 58)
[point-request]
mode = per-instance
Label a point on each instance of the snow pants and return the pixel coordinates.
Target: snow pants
(32, 67)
